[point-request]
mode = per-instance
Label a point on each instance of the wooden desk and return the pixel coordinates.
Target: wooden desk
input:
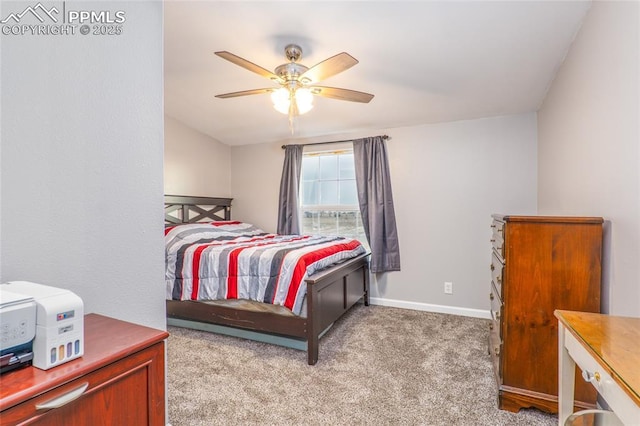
(607, 349)
(120, 380)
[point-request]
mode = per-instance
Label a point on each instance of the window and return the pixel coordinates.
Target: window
(329, 197)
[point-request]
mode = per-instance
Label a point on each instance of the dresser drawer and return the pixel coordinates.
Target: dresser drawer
(497, 270)
(496, 304)
(497, 237)
(495, 347)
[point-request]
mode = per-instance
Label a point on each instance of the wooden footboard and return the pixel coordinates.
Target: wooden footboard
(330, 293)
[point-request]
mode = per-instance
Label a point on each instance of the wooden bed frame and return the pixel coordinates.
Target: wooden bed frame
(330, 292)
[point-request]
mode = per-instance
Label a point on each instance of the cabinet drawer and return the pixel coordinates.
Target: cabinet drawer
(127, 392)
(496, 304)
(497, 270)
(497, 237)
(495, 347)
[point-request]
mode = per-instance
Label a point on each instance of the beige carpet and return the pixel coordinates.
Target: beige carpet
(377, 366)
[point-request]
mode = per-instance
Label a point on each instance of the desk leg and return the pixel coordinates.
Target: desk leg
(566, 378)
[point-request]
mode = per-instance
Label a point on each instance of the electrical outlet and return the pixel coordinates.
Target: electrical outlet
(448, 287)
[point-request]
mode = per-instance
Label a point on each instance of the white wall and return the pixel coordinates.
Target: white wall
(81, 166)
(194, 164)
(255, 183)
(447, 181)
(589, 143)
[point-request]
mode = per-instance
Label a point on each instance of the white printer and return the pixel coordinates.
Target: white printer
(59, 322)
(17, 330)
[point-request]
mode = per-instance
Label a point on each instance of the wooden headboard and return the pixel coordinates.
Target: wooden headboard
(195, 209)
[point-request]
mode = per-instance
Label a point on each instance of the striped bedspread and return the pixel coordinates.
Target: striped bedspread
(236, 260)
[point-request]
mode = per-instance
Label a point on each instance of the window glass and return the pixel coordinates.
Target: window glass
(329, 192)
(348, 193)
(310, 167)
(329, 197)
(328, 167)
(347, 168)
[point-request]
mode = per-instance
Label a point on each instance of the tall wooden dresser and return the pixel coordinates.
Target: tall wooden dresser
(539, 264)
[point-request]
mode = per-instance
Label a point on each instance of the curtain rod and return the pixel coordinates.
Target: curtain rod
(324, 143)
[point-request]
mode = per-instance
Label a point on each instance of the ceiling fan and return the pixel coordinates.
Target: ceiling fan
(298, 82)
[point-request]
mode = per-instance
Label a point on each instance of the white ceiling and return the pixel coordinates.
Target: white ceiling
(425, 61)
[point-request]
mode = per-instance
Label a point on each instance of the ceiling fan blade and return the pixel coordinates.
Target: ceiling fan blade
(341, 94)
(245, 93)
(332, 66)
(248, 65)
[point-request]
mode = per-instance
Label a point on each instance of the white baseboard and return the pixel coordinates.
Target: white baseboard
(441, 309)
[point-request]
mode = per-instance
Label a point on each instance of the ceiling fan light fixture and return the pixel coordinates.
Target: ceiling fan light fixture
(304, 100)
(281, 100)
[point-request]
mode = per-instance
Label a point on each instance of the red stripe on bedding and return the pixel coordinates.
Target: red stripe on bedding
(168, 229)
(309, 259)
(232, 273)
(232, 270)
(197, 255)
(195, 270)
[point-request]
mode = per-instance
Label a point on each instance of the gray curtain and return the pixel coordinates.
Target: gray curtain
(376, 203)
(288, 219)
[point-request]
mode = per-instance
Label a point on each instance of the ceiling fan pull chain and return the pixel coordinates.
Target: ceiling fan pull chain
(293, 109)
(291, 124)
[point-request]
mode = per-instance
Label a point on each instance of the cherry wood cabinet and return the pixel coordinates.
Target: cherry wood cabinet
(120, 380)
(539, 264)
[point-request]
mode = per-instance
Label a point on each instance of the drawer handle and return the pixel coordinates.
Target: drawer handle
(496, 351)
(492, 267)
(63, 399)
(490, 326)
(490, 296)
(590, 377)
